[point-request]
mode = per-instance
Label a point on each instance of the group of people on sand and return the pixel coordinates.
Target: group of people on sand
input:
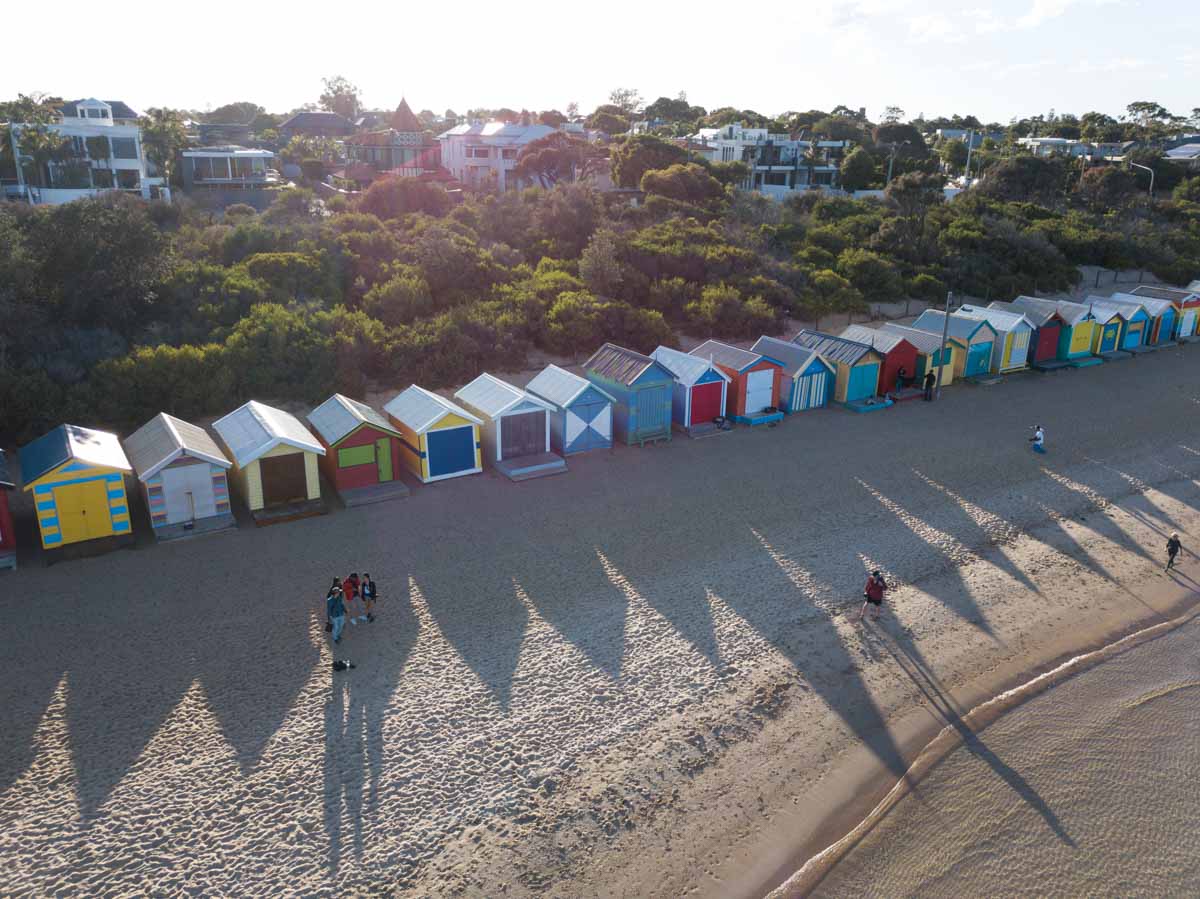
(354, 598)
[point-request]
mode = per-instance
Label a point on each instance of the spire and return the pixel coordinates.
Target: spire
(404, 120)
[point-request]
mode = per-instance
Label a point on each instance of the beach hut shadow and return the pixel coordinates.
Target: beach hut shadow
(1095, 517)
(1139, 504)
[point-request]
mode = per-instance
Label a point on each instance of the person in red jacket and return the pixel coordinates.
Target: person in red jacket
(873, 595)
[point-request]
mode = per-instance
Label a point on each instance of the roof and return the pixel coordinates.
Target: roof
(1153, 305)
(997, 318)
(494, 397)
(119, 109)
(687, 369)
(883, 341)
(724, 354)
(561, 386)
(835, 349)
(71, 443)
(1036, 317)
(419, 409)
(499, 132)
(5, 478)
(924, 341)
(165, 438)
(317, 120)
(961, 326)
(1071, 313)
(619, 364)
(1103, 309)
(339, 416)
(793, 358)
(403, 118)
(1184, 151)
(255, 429)
(1174, 294)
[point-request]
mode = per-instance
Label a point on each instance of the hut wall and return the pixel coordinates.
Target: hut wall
(99, 491)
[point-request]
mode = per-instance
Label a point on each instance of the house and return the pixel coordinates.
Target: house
(641, 390)
(1109, 322)
(77, 478)
(102, 153)
(977, 337)
(8, 537)
(899, 355)
(1013, 335)
(226, 175)
(857, 365)
(315, 124)
(438, 439)
(1077, 335)
(183, 476)
(362, 450)
(807, 379)
(1186, 302)
(404, 149)
(753, 395)
(778, 163)
(274, 461)
(1056, 146)
(976, 136)
(1136, 322)
(483, 156)
(1163, 318)
(932, 355)
(516, 428)
(219, 134)
(1047, 329)
(583, 413)
(700, 391)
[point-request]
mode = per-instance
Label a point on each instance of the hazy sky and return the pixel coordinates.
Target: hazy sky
(997, 60)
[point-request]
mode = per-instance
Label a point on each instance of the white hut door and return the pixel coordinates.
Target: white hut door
(189, 494)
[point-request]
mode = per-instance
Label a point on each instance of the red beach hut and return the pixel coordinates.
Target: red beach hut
(754, 381)
(897, 353)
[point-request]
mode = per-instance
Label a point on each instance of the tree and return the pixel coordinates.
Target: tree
(892, 114)
(39, 146)
(913, 195)
(838, 128)
(627, 100)
(295, 276)
(556, 157)
(340, 96)
(393, 198)
(572, 110)
(687, 183)
(828, 292)
(954, 154)
(638, 154)
(876, 278)
(857, 170)
(1188, 190)
(400, 300)
(905, 140)
(1100, 128)
(551, 117)
(242, 112)
(608, 122)
(164, 137)
(1106, 188)
(673, 110)
(600, 264)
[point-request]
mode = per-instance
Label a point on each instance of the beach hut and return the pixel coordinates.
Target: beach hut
(931, 354)
(977, 337)
(1135, 320)
(1194, 286)
(1077, 333)
(1047, 329)
(1187, 305)
(1161, 327)
(856, 365)
(583, 413)
(807, 378)
(362, 450)
(1014, 335)
(77, 478)
(898, 354)
(701, 388)
(8, 537)
(439, 439)
(516, 427)
(182, 473)
(753, 381)
(641, 390)
(274, 461)
(1108, 322)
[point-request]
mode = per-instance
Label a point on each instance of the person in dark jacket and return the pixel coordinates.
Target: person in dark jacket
(873, 595)
(368, 592)
(1173, 549)
(930, 383)
(335, 610)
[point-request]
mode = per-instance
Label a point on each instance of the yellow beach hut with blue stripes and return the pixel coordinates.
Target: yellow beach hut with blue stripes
(77, 478)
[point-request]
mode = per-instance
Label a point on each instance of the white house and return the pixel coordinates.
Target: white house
(1056, 146)
(778, 163)
(103, 153)
(482, 156)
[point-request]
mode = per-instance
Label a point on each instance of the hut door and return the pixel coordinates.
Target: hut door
(1188, 325)
(83, 511)
(283, 479)
(759, 390)
(383, 456)
(523, 435)
(188, 493)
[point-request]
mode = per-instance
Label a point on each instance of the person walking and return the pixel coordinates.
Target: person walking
(930, 382)
(873, 595)
(335, 610)
(1173, 548)
(369, 595)
(1038, 440)
(351, 596)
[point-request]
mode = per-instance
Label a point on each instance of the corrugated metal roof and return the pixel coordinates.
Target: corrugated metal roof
(881, 341)
(686, 368)
(997, 318)
(793, 358)
(724, 354)
(618, 364)
(1152, 305)
(5, 478)
(418, 408)
(961, 326)
(339, 416)
(1037, 317)
(71, 443)
(1173, 294)
(1071, 313)
(254, 429)
(1104, 309)
(925, 341)
(494, 397)
(831, 347)
(561, 386)
(165, 438)
(1194, 286)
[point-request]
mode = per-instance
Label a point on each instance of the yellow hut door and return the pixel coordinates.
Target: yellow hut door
(83, 511)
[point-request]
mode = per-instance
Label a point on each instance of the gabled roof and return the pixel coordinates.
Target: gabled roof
(403, 118)
(793, 358)
(997, 318)
(831, 347)
(119, 109)
(318, 120)
(1039, 317)
(1104, 308)
(1152, 305)
(1194, 286)
(881, 341)
(1071, 313)
(724, 354)
(339, 416)
(1173, 294)
(5, 478)
(70, 443)
(253, 430)
(494, 397)
(420, 409)
(165, 438)
(925, 341)
(687, 369)
(961, 326)
(621, 365)
(561, 386)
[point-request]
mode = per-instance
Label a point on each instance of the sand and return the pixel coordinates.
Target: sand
(634, 679)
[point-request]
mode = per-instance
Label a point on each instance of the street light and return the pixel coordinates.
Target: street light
(1146, 168)
(892, 159)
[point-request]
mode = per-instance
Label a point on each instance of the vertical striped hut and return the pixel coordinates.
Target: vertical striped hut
(977, 337)
(807, 378)
(1077, 335)
(931, 354)
(1014, 335)
(898, 354)
(641, 390)
(754, 381)
(182, 473)
(8, 537)
(438, 439)
(857, 365)
(274, 461)
(1186, 302)
(362, 451)
(701, 388)
(582, 417)
(1047, 329)
(77, 478)
(1162, 324)
(516, 428)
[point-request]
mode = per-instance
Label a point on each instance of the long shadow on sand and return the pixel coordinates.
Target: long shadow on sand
(1096, 518)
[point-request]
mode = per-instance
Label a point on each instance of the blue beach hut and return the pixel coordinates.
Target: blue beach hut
(1135, 320)
(976, 334)
(1161, 329)
(700, 388)
(582, 418)
(641, 390)
(807, 378)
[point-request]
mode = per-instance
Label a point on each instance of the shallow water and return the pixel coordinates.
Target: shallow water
(1090, 789)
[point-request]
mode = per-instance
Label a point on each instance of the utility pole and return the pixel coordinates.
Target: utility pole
(945, 340)
(970, 147)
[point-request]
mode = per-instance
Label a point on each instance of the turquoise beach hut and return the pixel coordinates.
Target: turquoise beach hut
(641, 390)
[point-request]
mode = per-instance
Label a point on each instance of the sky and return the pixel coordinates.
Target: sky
(999, 60)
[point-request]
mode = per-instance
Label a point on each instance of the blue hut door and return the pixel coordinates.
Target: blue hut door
(863, 381)
(979, 358)
(1108, 337)
(1135, 334)
(653, 410)
(451, 450)
(1166, 327)
(588, 426)
(812, 391)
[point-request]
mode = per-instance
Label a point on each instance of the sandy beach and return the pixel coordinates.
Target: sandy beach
(641, 678)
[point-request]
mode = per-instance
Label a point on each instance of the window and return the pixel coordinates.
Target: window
(128, 179)
(508, 154)
(124, 148)
(102, 178)
(478, 152)
(356, 455)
